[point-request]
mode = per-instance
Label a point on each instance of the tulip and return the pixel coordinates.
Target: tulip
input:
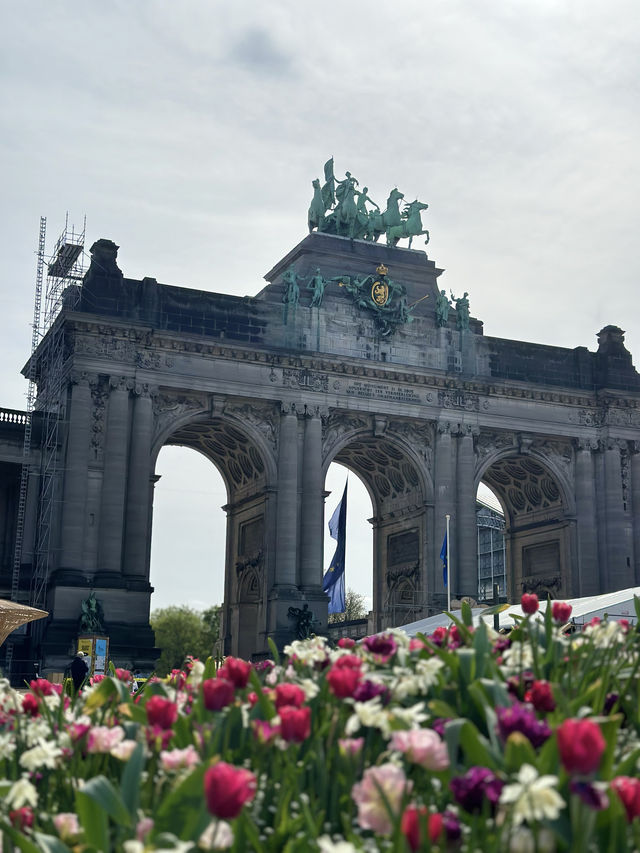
(343, 681)
(227, 789)
(628, 789)
(295, 723)
(161, 712)
(217, 693)
(581, 745)
(236, 671)
(529, 603)
(289, 694)
(561, 611)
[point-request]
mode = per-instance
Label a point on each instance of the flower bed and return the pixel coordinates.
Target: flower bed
(463, 740)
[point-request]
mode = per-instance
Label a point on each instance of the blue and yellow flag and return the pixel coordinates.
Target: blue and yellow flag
(443, 557)
(333, 581)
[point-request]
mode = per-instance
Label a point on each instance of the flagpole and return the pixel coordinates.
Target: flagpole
(448, 517)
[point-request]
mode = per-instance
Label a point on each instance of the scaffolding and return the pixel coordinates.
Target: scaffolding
(64, 268)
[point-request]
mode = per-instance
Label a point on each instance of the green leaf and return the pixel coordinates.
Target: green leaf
(21, 842)
(274, 651)
(103, 693)
(94, 821)
(50, 844)
(462, 734)
(518, 751)
(636, 605)
(183, 810)
(130, 781)
(467, 618)
(102, 792)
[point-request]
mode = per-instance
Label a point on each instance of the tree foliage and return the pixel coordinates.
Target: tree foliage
(354, 608)
(182, 631)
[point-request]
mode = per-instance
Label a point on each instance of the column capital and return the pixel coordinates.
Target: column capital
(83, 377)
(121, 383)
(144, 389)
(586, 444)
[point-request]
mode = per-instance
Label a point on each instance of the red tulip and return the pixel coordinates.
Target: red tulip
(289, 694)
(628, 789)
(295, 723)
(580, 744)
(561, 611)
(217, 693)
(529, 603)
(343, 681)
(413, 821)
(541, 696)
(236, 671)
(161, 712)
(227, 789)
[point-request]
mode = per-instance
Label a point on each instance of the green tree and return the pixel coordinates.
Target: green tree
(181, 631)
(354, 608)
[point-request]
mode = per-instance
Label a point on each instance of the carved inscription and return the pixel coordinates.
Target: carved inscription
(382, 391)
(305, 379)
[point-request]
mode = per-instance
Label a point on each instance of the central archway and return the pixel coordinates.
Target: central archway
(399, 487)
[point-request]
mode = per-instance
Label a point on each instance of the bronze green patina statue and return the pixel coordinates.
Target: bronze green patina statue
(291, 296)
(317, 284)
(340, 208)
(462, 311)
(442, 308)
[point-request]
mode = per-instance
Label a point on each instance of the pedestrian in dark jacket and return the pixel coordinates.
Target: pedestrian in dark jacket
(79, 670)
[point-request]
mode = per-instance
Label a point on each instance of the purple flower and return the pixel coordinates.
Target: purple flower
(477, 785)
(451, 826)
(521, 718)
(438, 725)
(591, 795)
(609, 702)
(367, 690)
(381, 646)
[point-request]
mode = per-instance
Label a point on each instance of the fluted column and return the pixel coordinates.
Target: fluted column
(312, 502)
(444, 504)
(586, 580)
(114, 481)
(635, 506)
(466, 581)
(287, 515)
(618, 573)
(75, 474)
(137, 526)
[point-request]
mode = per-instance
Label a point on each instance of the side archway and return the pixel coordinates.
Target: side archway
(247, 467)
(540, 534)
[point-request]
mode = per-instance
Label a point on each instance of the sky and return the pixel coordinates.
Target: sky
(189, 133)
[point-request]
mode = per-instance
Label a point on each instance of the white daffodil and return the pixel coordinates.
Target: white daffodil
(413, 716)
(38, 729)
(327, 845)
(534, 797)
(370, 714)
(44, 754)
(7, 745)
(518, 656)
(22, 793)
(416, 682)
(310, 651)
(310, 688)
(196, 674)
(605, 634)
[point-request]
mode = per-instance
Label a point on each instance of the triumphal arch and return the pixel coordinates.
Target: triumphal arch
(353, 352)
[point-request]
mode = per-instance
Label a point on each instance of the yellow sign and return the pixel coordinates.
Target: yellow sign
(380, 293)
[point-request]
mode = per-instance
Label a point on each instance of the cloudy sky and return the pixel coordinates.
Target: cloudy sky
(189, 133)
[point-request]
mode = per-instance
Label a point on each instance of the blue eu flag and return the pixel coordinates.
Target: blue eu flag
(333, 581)
(443, 557)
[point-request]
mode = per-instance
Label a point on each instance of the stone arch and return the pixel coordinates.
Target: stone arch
(395, 472)
(533, 486)
(246, 463)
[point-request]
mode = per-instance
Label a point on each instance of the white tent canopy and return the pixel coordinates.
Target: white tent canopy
(615, 605)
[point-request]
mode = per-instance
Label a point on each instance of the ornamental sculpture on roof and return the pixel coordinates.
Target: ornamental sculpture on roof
(339, 207)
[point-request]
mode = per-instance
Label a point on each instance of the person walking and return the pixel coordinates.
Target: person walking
(79, 670)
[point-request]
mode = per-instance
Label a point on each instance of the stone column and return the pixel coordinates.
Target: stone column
(635, 506)
(444, 504)
(114, 481)
(466, 579)
(586, 575)
(137, 527)
(287, 516)
(76, 473)
(312, 502)
(618, 573)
